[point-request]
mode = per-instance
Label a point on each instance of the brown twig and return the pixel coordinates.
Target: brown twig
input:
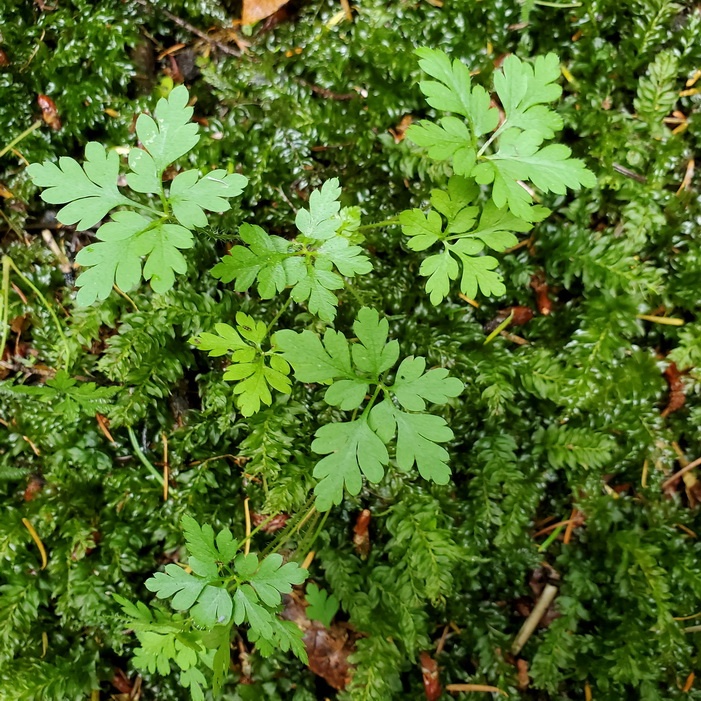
(192, 29)
(688, 468)
(531, 623)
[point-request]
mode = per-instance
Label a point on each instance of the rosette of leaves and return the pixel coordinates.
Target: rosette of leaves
(504, 151)
(220, 588)
(141, 239)
(254, 371)
(312, 265)
(393, 415)
(464, 230)
(66, 395)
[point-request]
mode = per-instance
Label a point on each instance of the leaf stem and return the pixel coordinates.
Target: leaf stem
(11, 264)
(490, 140)
(368, 406)
(280, 312)
(551, 538)
(19, 138)
(164, 199)
(380, 224)
(144, 460)
(557, 4)
(4, 304)
(499, 329)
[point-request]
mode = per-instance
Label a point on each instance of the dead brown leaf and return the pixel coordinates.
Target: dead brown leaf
(328, 649)
(256, 10)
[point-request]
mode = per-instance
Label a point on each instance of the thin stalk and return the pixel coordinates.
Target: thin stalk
(377, 391)
(551, 538)
(281, 311)
(44, 301)
(499, 329)
(164, 199)
(257, 529)
(379, 224)
(317, 532)
(558, 4)
(490, 140)
(144, 460)
(297, 522)
(4, 305)
(19, 138)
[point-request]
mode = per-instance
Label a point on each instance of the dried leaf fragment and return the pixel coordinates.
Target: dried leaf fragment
(431, 677)
(49, 111)
(256, 10)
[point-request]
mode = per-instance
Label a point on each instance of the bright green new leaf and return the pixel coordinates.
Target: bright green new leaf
(450, 139)
(91, 191)
(424, 229)
(315, 288)
(524, 89)
(171, 134)
(312, 360)
(253, 381)
(352, 449)
(226, 340)
(374, 354)
(440, 269)
(348, 260)
(413, 386)
(175, 582)
(263, 260)
(273, 578)
(213, 607)
(254, 370)
(320, 222)
(477, 271)
(322, 607)
(190, 195)
(202, 544)
(247, 608)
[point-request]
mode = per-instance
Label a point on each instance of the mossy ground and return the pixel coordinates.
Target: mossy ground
(574, 420)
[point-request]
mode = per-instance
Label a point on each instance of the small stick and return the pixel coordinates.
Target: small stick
(689, 683)
(498, 329)
(469, 300)
(443, 638)
(247, 515)
(664, 320)
(140, 454)
(455, 688)
(102, 424)
(166, 466)
(552, 537)
(37, 540)
(570, 527)
(531, 623)
(308, 560)
(643, 479)
(19, 138)
(197, 32)
(669, 482)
